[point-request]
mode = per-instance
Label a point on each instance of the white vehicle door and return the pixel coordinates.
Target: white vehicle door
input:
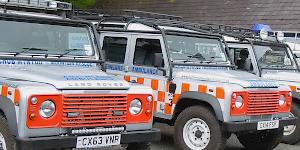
(143, 71)
(115, 46)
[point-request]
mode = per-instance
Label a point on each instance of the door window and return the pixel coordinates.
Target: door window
(115, 49)
(241, 58)
(145, 51)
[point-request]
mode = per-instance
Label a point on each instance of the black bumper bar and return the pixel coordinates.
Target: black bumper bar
(247, 126)
(59, 142)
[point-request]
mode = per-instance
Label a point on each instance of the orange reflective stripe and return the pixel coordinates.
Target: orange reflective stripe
(220, 93)
(127, 78)
(161, 96)
(202, 88)
(155, 106)
(140, 80)
(17, 97)
(4, 91)
(293, 88)
(168, 109)
(154, 84)
(185, 87)
(175, 98)
(167, 86)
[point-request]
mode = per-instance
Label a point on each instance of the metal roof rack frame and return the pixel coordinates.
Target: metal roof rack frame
(137, 13)
(236, 32)
(93, 14)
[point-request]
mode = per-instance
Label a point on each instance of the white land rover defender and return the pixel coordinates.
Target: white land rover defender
(196, 87)
(254, 51)
(53, 92)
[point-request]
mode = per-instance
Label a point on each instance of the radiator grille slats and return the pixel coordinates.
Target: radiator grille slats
(262, 103)
(93, 110)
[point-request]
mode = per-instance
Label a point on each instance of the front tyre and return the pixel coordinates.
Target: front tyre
(197, 128)
(261, 140)
(138, 146)
(291, 134)
(7, 141)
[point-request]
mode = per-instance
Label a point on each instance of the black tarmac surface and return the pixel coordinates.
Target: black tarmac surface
(232, 143)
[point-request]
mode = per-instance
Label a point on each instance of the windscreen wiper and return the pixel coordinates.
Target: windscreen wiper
(211, 59)
(26, 50)
(68, 51)
(197, 56)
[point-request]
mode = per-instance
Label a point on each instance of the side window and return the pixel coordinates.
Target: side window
(242, 59)
(115, 49)
(145, 50)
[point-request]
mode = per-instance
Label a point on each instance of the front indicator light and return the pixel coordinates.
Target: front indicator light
(33, 100)
(149, 98)
(47, 109)
(135, 107)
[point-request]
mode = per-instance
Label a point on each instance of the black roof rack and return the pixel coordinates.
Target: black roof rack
(137, 13)
(95, 14)
(233, 31)
(156, 19)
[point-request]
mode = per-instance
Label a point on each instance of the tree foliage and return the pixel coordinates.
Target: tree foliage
(82, 4)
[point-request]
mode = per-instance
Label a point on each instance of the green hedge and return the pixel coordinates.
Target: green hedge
(82, 4)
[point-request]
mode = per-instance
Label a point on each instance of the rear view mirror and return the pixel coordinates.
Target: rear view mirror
(297, 55)
(158, 60)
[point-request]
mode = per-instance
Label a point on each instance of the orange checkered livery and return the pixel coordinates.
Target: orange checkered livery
(164, 102)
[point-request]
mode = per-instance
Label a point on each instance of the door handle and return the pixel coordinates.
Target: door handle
(126, 68)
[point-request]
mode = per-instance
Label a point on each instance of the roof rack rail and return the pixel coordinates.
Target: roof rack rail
(234, 31)
(154, 22)
(95, 13)
(137, 13)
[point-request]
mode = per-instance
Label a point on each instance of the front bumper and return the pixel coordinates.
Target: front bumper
(233, 127)
(59, 142)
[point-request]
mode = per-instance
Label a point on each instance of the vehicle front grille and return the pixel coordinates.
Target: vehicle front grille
(94, 110)
(262, 103)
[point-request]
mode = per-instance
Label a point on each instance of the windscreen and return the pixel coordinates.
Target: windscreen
(24, 37)
(195, 49)
(274, 57)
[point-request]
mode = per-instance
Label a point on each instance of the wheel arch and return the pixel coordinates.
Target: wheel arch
(7, 108)
(188, 99)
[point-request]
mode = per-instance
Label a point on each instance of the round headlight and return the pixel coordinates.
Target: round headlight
(135, 107)
(239, 102)
(281, 100)
(47, 109)
(33, 100)
(149, 98)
